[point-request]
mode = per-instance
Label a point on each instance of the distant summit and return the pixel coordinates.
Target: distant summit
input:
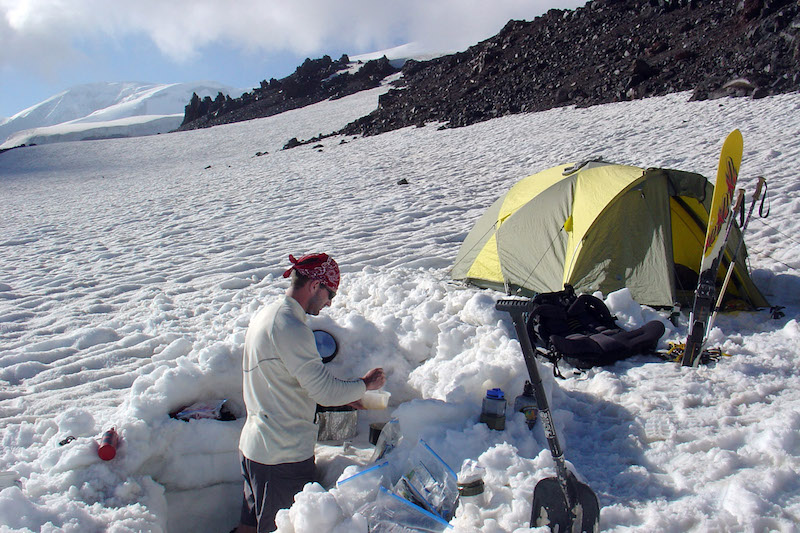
(105, 110)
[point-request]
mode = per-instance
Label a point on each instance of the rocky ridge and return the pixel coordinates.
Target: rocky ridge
(606, 51)
(313, 81)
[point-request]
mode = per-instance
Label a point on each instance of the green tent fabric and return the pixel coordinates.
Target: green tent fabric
(600, 226)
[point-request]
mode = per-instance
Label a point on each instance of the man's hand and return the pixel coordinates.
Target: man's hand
(374, 379)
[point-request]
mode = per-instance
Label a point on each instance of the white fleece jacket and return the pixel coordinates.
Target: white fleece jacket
(284, 379)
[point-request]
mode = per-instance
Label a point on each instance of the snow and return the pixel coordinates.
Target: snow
(131, 267)
(398, 55)
(106, 110)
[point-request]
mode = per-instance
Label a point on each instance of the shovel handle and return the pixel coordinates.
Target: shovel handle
(517, 308)
(514, 305)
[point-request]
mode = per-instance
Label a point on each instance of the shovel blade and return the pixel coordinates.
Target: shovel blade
(550, 508)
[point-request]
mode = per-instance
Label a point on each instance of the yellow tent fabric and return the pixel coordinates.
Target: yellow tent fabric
(597, 226)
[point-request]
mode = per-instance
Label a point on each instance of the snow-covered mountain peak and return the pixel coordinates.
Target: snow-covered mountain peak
(103, 103)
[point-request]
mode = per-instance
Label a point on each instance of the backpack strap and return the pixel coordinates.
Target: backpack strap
(589, 314)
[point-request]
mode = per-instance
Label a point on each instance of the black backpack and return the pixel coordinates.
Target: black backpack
(581, 330)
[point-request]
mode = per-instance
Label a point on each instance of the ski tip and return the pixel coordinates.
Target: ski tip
(735, 135)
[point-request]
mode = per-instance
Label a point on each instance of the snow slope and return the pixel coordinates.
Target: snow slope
(130, 269)
(99, 110)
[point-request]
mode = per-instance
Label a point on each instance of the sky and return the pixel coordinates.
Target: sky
(47, 46)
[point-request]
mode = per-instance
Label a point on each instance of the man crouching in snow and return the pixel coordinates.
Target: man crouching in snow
(284, 380)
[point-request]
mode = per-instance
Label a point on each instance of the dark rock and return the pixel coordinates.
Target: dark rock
(292, 143)
(606, 51)
(313, 81)
(609, 50)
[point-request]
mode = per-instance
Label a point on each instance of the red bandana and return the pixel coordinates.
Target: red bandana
(318, 267)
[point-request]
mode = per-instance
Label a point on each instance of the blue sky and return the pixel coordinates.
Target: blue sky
(47, 46)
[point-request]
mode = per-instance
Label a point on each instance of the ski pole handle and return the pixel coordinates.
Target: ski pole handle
(762, 183)
(757, 194)
(737, 206)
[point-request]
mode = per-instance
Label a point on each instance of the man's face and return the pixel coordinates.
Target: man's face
(321, 299)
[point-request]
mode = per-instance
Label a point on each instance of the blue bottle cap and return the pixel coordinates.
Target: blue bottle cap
(495, 394)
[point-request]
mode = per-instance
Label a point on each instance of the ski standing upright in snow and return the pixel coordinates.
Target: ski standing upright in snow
(720, 217)
(760, 185)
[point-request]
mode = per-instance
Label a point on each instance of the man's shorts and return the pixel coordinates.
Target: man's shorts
(269, 488)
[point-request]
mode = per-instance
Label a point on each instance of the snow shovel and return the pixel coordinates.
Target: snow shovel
(561, 503)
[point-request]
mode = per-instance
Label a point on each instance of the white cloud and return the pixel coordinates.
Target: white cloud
(44, 32)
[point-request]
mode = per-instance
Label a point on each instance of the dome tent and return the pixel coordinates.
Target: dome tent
(600, 226)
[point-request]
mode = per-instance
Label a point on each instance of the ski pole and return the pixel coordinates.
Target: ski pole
(729, 274)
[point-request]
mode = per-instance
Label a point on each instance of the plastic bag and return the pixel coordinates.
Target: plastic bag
(429, 482)
(214, 409)
(362, 486)
(388, 439)
(390, 513)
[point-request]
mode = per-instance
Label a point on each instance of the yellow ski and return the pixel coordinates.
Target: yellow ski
(719, 220)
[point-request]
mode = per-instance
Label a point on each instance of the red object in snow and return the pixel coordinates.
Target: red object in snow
(108, 445)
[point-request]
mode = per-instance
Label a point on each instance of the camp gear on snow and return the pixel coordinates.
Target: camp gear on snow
(701, 318)
(562, 502)
(471, 492)
(581, 330)
(390, 512)
(470, 484)
(387, 440)
(213, 409)
(776, 312)
(336, 423)
(493, 409)
(598, 226)
(375, 429)
(376, 399)
(743, 225)
(675, 314)
(675, 354)
(326, 345)
(429, 482)
(720, 221)
(420, 494)
(108, 445)
(320, 267)
(526, 404)
(366, 484)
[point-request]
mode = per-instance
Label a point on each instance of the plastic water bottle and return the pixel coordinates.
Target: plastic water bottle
(493, 413)
(526, 404)
(108, 445)
(471, 497)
